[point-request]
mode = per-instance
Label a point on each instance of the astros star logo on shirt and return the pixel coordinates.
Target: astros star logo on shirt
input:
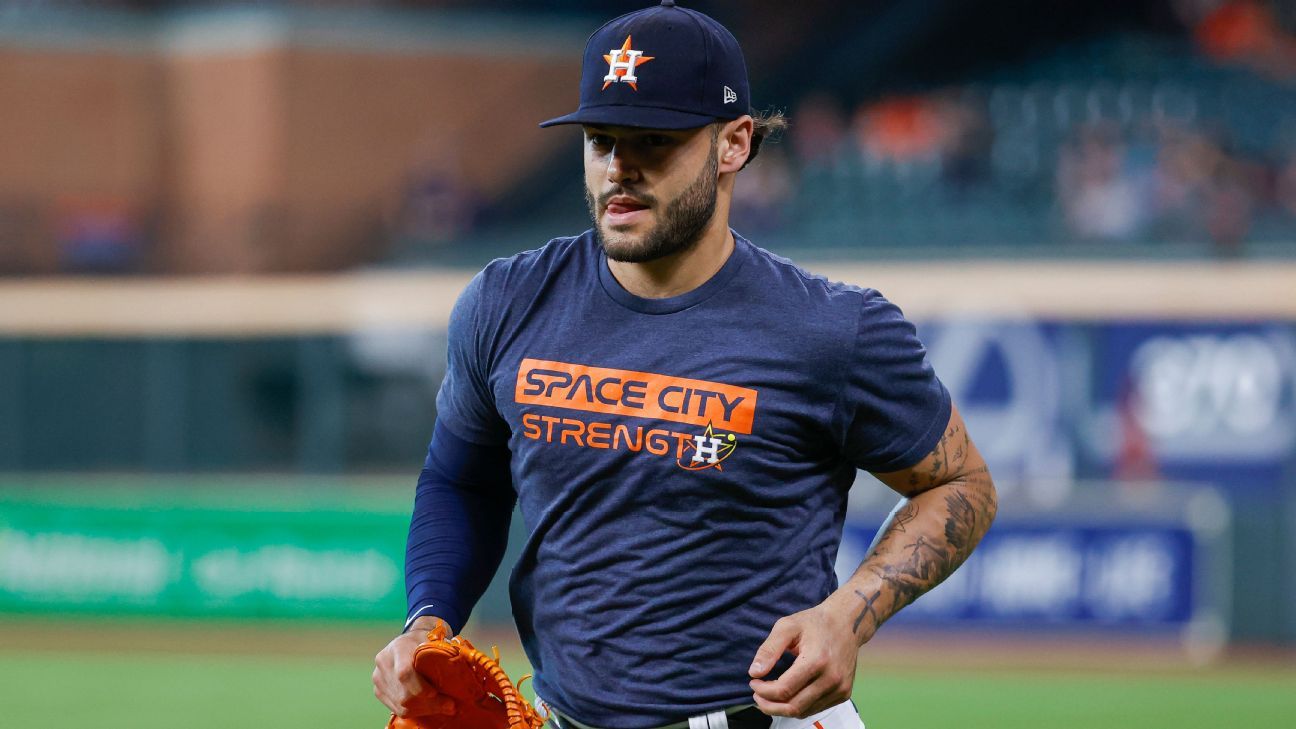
(621, 65)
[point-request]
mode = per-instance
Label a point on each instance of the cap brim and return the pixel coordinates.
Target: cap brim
(633, 116)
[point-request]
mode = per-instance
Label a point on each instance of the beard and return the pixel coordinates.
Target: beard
(681, 226)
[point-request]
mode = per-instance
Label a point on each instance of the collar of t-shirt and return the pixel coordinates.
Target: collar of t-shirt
(741, 253)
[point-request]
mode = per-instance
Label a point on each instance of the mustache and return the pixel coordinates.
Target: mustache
(618, 190)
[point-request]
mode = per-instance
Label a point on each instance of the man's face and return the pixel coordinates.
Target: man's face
(651, 193)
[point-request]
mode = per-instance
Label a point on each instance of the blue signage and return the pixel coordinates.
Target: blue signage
(1061, 575)
(1208, 402)
(1050, 403)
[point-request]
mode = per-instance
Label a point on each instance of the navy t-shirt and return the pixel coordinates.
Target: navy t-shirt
(681, 464)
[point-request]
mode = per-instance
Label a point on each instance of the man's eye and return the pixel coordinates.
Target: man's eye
(657, 140)
(600, 140)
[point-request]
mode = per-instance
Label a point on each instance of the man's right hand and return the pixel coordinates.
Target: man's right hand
(395, 681)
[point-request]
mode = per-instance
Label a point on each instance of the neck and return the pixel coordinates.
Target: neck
(678, 273)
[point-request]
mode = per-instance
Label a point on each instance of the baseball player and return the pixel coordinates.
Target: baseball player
(679, 415)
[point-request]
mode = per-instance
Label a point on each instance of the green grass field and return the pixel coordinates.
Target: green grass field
(169, 691)
(220, 685)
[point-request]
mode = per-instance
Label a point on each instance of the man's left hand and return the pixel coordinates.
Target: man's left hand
(823, 673)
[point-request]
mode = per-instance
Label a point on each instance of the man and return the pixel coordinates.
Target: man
(680, 415)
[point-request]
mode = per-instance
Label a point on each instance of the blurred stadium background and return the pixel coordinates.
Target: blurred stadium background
(230, 235)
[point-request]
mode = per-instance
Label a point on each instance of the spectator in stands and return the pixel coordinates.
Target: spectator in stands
(940, 127)
(1242, 30)
(969, 139)
(1201, 191)
(819, 134)
(1231, 205)
(1100, 200)
(1185, 163)
(906, 130)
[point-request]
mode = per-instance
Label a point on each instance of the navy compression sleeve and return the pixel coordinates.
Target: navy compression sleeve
(462, 509)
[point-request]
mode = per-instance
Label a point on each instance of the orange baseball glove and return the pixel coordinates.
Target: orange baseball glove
(483, 695)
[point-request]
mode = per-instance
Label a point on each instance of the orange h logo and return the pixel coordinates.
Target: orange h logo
(621, 65)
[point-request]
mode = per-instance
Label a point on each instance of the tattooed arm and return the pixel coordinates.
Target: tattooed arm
(948, 506)
(949, 502)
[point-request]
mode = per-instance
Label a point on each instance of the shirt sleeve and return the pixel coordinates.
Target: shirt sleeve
(465, 403)
(892, 408)
(459, 529)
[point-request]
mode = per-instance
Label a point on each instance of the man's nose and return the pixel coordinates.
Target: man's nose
(622, 168)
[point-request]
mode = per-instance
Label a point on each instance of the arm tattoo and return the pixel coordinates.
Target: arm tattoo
(906, 514)
(960, 525)
(944, 460)
(909, 565)
(867, 609)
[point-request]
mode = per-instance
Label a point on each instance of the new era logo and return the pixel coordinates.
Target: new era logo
(730, 95)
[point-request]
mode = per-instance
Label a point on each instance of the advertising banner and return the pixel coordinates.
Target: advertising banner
(201, 561)
(1145, 576)
(1051, 403)
(1204, 402)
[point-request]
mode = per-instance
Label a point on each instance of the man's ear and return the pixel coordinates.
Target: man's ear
(735, 144)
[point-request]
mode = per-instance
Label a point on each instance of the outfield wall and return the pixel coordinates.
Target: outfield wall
(1068, 374)
(1105, 561)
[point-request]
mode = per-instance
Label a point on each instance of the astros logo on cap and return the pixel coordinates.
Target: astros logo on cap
(621, 65)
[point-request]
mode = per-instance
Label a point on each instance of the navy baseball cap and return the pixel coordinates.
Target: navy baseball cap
(665, 67)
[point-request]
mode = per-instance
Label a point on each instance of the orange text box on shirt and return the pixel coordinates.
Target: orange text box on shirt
(639, 394)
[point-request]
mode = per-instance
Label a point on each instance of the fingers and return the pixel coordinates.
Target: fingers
(782, 638)
(803, 672)
(399, 687)
(823, 693)
(818, 679)
(410, 682)
(389, 692)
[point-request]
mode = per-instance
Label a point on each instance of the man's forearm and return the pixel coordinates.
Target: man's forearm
(459, 527)
(922, 543)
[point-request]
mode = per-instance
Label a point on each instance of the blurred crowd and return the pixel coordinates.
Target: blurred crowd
(1140, 141)
(1156, 178)
(1198, 152)
(1171, 182)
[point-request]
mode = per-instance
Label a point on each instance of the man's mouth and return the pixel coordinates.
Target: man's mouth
(623, 209)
